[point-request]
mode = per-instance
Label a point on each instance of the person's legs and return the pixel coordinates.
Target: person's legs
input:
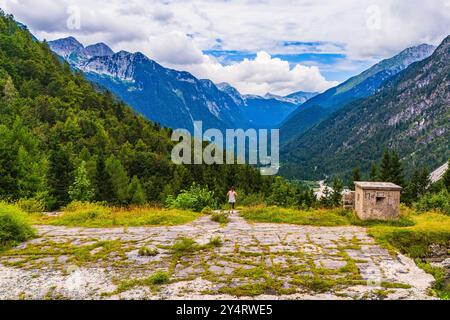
(232, 207)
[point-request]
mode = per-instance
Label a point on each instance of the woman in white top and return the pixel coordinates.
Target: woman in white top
(232, 195)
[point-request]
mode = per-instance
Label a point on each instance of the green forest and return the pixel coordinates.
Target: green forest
(62, 140)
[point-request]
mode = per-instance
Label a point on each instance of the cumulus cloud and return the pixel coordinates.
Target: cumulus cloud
(260, 75)
(362, 30)
(174, 48)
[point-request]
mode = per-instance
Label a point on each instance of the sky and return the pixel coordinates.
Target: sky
(258, 46)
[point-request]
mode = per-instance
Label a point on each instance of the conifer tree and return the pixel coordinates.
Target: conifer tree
(81, 189)
(373, 172)
(118, 178)
(356, 176)
(386, 167)
(60, 176)
(336, 195)
(396, 169)
(417, 186)
(135, 192)
(103, 185)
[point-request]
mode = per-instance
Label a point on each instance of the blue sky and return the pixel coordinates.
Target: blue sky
(258, 46)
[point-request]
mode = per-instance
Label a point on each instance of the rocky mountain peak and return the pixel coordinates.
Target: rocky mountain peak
(98, 50)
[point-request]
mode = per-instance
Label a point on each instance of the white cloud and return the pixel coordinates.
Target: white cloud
(261, 75)
(174, 48)
(257, 76)
(157, 28)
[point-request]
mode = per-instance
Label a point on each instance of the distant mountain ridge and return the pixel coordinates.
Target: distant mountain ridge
(410, 113)
(173, 98)
(361, 86)
(266, 111)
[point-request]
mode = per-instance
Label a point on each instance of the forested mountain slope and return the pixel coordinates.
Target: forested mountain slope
(52, 122)
(361, 86)
(410, 114)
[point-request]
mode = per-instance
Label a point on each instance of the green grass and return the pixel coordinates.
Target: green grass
(15, 226)
(315, 217)
(186, 246)
(147, 252)
(319, 217)
(221, 217)
(429, 228)
(98, 216)
(216, 242)
(441, 286)
(158, 278)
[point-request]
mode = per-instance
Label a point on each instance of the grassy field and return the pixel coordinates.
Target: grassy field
(315, 217)
(319, 217)
(98, 216)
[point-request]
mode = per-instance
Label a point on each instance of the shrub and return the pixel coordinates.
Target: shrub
(196, 199)
(220, 217)
(287, 194)
(185, 245)
(147, 252)
(159, 277)
(95, 215)
(216, 242)
(31, 205)
(207, 210)
(435, 201)
(78, 213)
(252, 199)
(14, 226)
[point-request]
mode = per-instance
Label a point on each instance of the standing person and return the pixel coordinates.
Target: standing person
(232, 195)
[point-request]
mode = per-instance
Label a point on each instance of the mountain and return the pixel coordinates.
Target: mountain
(297, 98)
(360, 86)
(53, 123)
(172, 98)
(409, 114)
(267, 111)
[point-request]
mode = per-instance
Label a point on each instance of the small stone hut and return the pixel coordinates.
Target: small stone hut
(377, 200)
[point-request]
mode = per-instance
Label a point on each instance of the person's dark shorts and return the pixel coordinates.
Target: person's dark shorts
(232, 204)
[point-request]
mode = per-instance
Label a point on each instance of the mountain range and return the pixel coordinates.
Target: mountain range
(266, 111)
(408, 113)
(393, 104)
(173, 98)
(361, 86)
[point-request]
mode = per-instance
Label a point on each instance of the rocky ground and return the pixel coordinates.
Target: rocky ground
(262, 261)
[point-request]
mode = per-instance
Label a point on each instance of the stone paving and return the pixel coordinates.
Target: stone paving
(258, 261)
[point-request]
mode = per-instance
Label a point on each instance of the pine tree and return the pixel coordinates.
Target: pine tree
(386, 167)
(327, 200)
(373, 172)
(417, 186)
(396, 168)
(60, 176)
(336, 195)
(103, 185)
(355, 177)
(135, 192)
(392, 169)
(119, 179)
(81, 189)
